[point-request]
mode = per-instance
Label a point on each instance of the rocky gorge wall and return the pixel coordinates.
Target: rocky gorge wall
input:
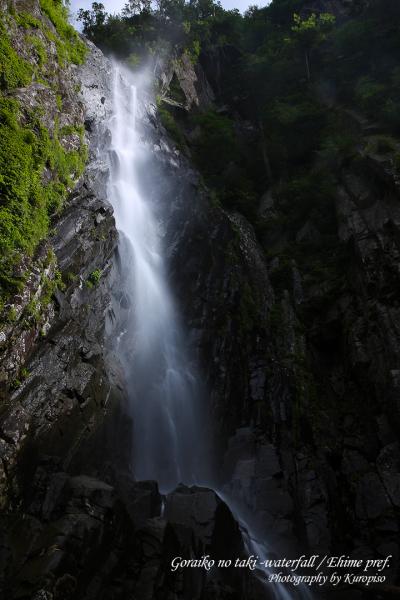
(303, 390)
(74, 523)
(302, 365)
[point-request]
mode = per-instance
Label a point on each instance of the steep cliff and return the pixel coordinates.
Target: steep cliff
(288, 289)
(297, 322)
(74, 522)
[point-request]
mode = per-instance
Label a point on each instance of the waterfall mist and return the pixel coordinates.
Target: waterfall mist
(164, 389)
(171, 436)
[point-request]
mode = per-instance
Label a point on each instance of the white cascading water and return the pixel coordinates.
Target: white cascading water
(160, 377)
(169, 444)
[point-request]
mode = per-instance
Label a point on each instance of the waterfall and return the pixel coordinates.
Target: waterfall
(162, 383)
(165, 390)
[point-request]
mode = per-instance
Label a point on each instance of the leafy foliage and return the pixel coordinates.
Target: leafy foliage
(69, 47)
(14, 71)
(310, 32)
(26, 200)
(36, 170)
(284, 69)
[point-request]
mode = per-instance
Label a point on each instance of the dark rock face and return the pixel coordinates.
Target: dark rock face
(68, 390)
(54, 98)
(199, 519)
(58, 428)
(64, 538)
(303, 376)
(321, 476)
(80, 542)
(75, 524)
(196, 90)
(196, 524)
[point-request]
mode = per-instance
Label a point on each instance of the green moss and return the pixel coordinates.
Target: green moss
(69, 46)
(94, 278)
(72, 130)
(9, 112)
(39, 49)
(15, 384)
(68, 165)
(21, 201)
(50, 258)
(12, 315)
(27, 21)
(26, 201)
(70, 277)
(36, 171)
(194, 51)
(32, 310)
(14, 71)
(36, 306)
(50, 285)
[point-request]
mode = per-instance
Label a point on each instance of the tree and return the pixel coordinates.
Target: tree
(204, 9)
(310, 32)
(135, 7)
(91, 19)
(170, 9)
(251, 12)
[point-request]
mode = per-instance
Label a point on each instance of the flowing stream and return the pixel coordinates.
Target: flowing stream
(164, 389)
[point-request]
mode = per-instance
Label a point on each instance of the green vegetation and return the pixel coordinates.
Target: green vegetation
(69, 47)
(94, 278)
(12, 315)
(303, 82)
(308, 33)
(36, 171)
(15, 384)
(304, 101)
(24, 373)
(50, 285)
(39, 48)
(169, 121)
(27, 20)
(14, 71)
(215, 147)
(27, 201)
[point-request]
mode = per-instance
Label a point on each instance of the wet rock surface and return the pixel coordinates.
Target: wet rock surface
(80, 542)
(307, 418)
(28, 312)
(303, 371)
(68, 390)
(59, 425)
(74, 522)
